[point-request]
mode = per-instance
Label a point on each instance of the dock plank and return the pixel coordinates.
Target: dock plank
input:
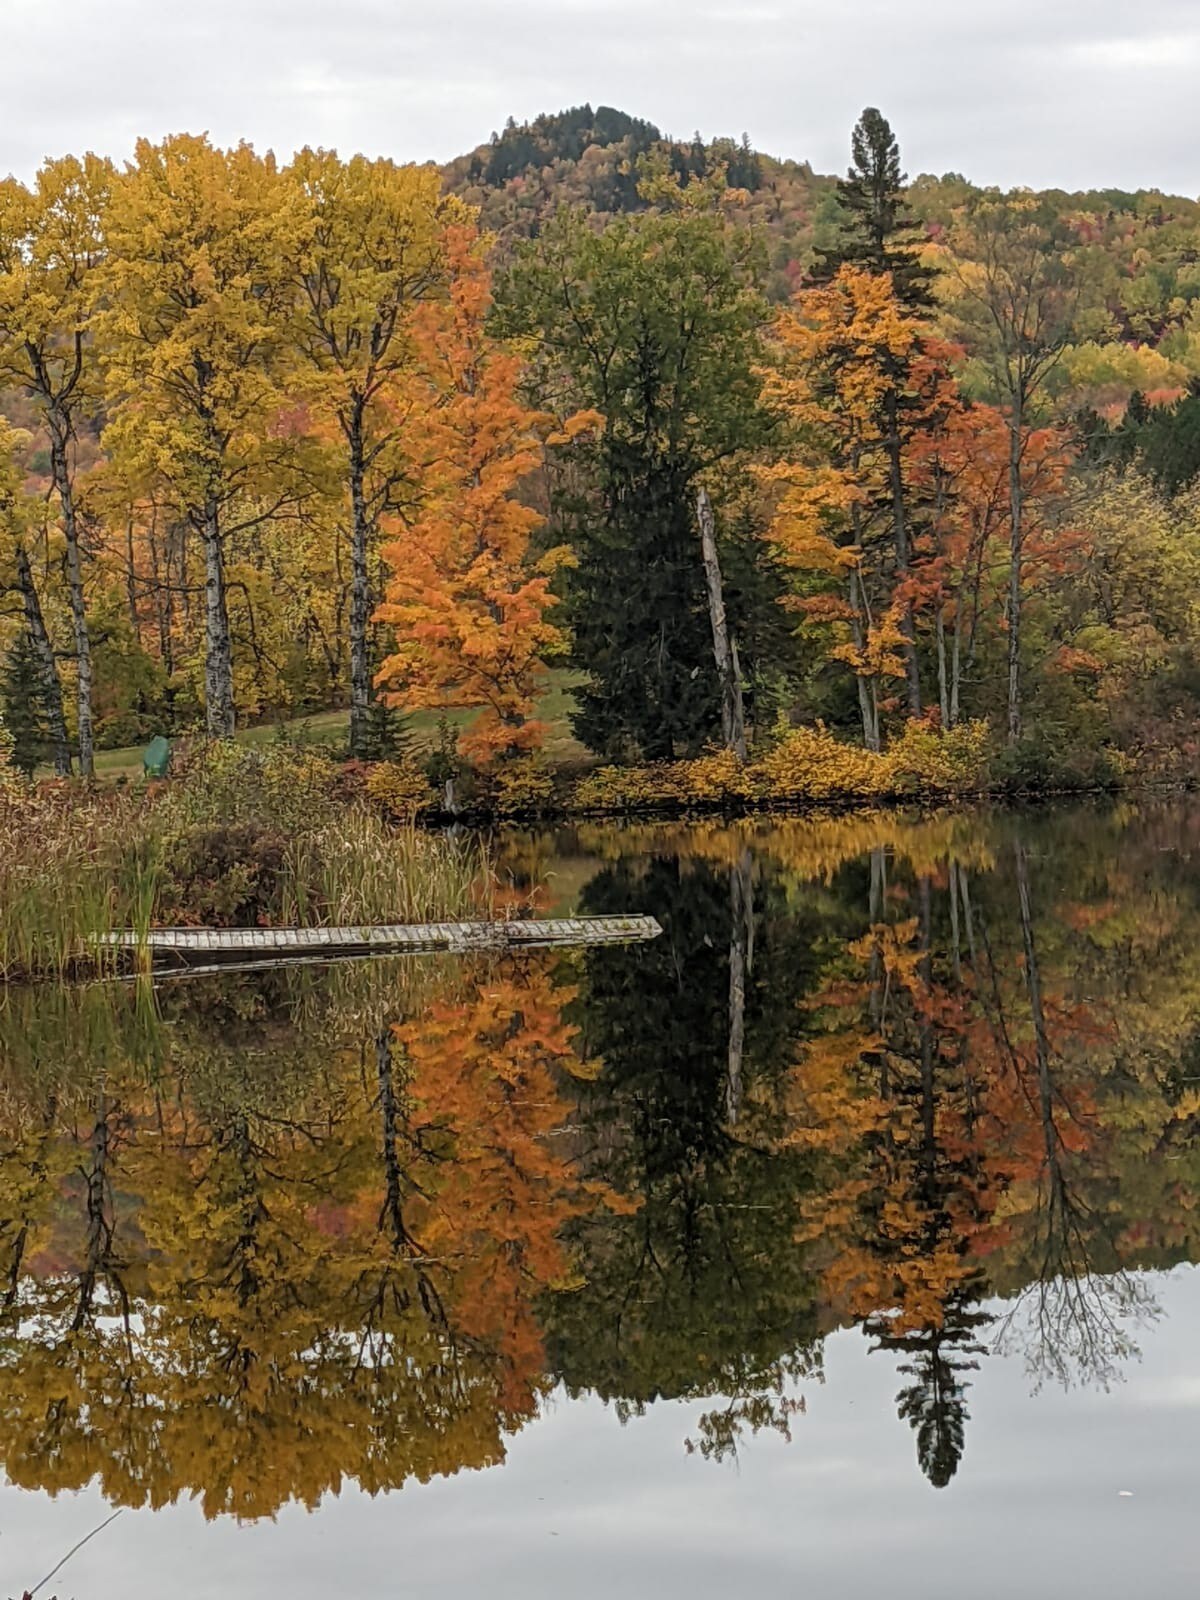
(189, 944)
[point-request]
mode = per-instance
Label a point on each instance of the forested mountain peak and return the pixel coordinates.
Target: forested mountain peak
(561, 135)
(593, 157)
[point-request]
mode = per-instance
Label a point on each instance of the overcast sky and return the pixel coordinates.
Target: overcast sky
(1071, 93)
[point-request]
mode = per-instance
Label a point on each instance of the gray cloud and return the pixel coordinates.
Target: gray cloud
(1044, 92)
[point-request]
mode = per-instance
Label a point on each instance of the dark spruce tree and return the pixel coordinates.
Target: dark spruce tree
(1164, 440)
(22, 704)
(387, 735)
(656, 324)
(877, 230)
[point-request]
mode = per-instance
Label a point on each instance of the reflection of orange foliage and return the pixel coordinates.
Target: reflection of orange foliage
(881, 1095)
(484, 1074)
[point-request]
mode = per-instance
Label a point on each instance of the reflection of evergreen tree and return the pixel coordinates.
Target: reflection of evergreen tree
(915, 1175)
(700, 1290)
(934, 1403)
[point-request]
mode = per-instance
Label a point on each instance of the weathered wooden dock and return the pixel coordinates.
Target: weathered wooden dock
(212, 947)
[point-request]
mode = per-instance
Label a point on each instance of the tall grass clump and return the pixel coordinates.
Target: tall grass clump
(237, 837)
(268, 825)
(73, 865)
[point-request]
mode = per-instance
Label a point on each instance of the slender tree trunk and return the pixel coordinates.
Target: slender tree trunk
(877, 899)
(161, 578)
(741, 958)
(868, 709)
(928, 1095)
(391, 1214)
(1041, 1040)
(131, 598)
(912, 671)
(733, 715)
(43, 650)
(360, 589)
(1016, 545)
(218, 651)
(956, 661)
(955, 932)
(943, 681)
(99, 1222)
(60, 430)
(964, 890)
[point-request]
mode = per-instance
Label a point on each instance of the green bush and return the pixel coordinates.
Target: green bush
(1041, 764)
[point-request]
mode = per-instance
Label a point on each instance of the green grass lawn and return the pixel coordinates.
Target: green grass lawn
(332, 728)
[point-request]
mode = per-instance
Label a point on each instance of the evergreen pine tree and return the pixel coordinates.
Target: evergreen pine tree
(387, 732)
(877, 235)
(22, 704)
(654, 324)
(877, 230)
(387, 736)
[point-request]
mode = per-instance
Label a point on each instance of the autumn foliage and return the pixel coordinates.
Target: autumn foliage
(470, 616)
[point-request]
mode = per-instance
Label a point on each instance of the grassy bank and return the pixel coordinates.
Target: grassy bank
(239, 837)
(329, 732)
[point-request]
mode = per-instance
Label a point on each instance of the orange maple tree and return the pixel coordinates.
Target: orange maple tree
(468, 604)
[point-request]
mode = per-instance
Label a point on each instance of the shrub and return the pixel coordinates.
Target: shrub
(1039, 764)
(521, 786)
(282, 785)
(222, 876)
(804, 764)
(811, 764)
(399, 788)
(929, 760)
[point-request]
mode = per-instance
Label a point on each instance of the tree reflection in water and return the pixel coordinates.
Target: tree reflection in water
(934, 1079)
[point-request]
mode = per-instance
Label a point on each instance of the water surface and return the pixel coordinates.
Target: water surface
(842, 1236)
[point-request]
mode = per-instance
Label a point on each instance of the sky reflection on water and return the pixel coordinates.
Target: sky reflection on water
(587, 1508)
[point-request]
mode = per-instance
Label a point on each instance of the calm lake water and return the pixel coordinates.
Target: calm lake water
(842, 1237)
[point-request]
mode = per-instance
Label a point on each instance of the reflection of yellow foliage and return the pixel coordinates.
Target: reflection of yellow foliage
(810, 849)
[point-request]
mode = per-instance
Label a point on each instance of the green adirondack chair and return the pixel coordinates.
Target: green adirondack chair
(156, 758)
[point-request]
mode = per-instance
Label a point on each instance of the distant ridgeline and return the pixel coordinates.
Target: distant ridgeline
(1142, 241)
(590, 156)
